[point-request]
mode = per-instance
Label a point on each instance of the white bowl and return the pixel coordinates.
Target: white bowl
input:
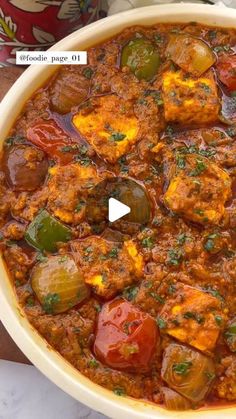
(48, 361)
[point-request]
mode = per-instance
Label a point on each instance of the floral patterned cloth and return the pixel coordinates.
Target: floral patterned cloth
(38, 24)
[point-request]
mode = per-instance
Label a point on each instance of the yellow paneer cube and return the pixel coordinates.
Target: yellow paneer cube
(137, 258)
(190, 100)
(194, 317)
(109, 125)
(199, 190)
(108, 266)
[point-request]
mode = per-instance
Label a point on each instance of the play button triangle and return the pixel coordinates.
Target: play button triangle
(116, 210)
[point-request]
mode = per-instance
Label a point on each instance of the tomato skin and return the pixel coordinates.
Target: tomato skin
(126, 337)
(50, 138)
(226, 68)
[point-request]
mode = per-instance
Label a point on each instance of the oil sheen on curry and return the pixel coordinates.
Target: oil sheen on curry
(144, 306)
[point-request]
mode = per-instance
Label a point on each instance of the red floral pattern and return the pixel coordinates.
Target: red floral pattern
(38, 24)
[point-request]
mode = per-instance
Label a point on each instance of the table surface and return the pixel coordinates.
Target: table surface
(8, 349)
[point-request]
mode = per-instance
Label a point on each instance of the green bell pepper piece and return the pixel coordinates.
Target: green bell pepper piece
(45, 231)
(142, 57)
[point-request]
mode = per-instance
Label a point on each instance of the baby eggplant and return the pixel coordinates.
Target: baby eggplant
(25, 167)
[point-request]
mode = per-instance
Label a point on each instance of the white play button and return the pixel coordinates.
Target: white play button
(116, 210)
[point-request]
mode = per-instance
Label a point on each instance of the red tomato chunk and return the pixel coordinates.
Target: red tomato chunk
(126, 337)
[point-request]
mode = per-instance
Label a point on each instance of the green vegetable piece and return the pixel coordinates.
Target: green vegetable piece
(142, 57)
(45, 231)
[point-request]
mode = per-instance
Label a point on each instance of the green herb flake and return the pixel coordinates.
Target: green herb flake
(191, 315)
(199, 211)
(209, 245)
(199, 168)
(205, 87)
(113, 254)
(63, 259)
(156, 95)
(119, 391)
(157, 297)
(30, 302)
(79, 206)
(130, 293)
(97, 307)
(218, 319)
(171, 289)
(182, 368)
(83, 160)
(49, 302)
(210, 375)
(175, 257)
(117, 136)
(230, 333)
(182, 238)
(161, 323)
(87, 73)
(213, 292)
(147, 243)
(212, 34)
(180, 161)
(222, 48)
(93, 363)
(159, 38)
(169, 130)
(17, 283)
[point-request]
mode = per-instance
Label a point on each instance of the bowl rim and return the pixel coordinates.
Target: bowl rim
(47, 360)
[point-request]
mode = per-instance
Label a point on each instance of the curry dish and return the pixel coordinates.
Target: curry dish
(144, 306)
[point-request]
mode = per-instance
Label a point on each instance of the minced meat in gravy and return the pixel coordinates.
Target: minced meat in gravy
(144, 306)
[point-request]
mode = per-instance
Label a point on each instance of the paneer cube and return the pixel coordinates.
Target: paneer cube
(199, 190)
(109, 125)
(194, 317)
(190, 100)
(108, 267)
(67, 191)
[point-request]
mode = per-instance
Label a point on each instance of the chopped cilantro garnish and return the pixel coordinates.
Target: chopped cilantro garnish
(174, 257)
(147, 243)
(191, 315)
(157, 297)
(181, 239)
(119, 391)
(218, 319)
(130, 293)
(93, 363)
(199, 168)
(49, 302)
(209, 245)
(87, 72)
(161, 323)
(182, 368)
(117, 136)
(180, 161)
